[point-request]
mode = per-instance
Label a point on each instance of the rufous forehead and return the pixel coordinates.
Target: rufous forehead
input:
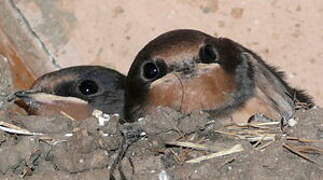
(177, 51)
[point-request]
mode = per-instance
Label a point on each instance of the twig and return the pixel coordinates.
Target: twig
(258, 142)
(293, 150)
(264, 146)
(252, 136)
(67, 115)
(234, 149)
(10, 128)
(308, 149)
(194, 146)
(255, 125)
(7, 127)
(304, 140)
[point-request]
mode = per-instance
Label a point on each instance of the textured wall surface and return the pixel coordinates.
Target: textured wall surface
(48, 34)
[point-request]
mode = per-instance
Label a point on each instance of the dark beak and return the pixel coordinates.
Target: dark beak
(24, 93)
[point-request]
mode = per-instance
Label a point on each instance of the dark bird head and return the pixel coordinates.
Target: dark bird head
(102, 88)
(189, 70)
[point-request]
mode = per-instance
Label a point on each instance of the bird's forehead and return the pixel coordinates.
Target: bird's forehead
(176, 51)
(49, 81)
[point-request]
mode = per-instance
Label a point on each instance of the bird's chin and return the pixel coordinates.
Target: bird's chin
(206, 87)
(48, 104)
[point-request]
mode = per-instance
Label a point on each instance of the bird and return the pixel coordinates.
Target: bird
(76, 91)
(189, 70)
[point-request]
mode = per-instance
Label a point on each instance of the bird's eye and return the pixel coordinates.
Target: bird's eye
(150, 71)
(208, 54)
(88, 87)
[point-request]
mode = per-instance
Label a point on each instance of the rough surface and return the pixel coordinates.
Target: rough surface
(145, 149)
(5, 81)
(89, 155)
(19, 41)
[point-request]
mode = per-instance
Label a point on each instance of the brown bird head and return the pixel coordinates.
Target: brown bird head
(189, 70)
(77, 90)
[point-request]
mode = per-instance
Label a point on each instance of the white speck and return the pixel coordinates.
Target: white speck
(105, 134)
(4, 58)
(68, 135)
(152, 171)
(97, 113)
(229, 168)
(102, 117)
(163, 175)
(81, 160)
(195, 171)
(140, 119)
(116, 115)
(292, 122)
(144, 138)
(143, 134)
(106, 116)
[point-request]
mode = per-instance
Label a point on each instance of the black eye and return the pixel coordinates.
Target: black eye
(88, 87)
(208, 54)
(150, 70)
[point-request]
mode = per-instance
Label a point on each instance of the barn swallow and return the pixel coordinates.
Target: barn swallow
(76, 91)
(188, 70)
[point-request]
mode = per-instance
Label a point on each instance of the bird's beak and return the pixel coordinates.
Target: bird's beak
(38, 103)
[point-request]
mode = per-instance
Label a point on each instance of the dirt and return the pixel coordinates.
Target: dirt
(151, 148)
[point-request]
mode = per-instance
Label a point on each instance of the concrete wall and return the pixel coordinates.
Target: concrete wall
(48, 34)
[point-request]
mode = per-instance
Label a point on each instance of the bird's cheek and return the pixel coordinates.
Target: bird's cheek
(166, 91)
(209, 87)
